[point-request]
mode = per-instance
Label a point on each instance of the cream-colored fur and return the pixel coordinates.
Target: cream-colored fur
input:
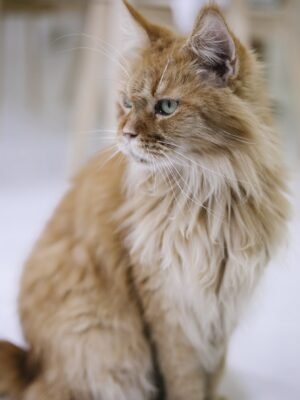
(135, 286)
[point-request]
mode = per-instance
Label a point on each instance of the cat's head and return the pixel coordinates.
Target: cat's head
(188, 97)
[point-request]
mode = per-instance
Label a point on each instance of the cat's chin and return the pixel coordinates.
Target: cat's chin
(144, 161)
(138, 159)
(132, 155)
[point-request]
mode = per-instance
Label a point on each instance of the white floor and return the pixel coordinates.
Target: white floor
(264, 356)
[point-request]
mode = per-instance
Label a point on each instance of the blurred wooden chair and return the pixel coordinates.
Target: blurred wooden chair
(25, 34)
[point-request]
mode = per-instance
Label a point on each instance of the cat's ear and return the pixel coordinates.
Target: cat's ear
(213, 44)
(153, 32)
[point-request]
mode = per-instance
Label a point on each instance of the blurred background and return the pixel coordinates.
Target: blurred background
(59, 62)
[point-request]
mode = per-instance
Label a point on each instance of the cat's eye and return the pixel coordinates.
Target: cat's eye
(127, 103)
(166, 107)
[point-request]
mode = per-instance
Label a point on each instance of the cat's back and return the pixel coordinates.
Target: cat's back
(80, 247)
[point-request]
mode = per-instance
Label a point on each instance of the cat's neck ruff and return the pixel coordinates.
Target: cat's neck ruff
(197, 226)
(194, 184)
(169, 204)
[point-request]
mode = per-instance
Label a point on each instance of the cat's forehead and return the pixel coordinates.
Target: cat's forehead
(157, 76)
(141, 83)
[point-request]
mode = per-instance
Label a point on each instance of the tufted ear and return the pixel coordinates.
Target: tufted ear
(213, 44)
(154, 32)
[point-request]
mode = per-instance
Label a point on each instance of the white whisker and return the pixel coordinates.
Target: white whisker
(203, 167)
(187, 195)
(163, 75)
(111, 157)
(95, 40)
(101, 52)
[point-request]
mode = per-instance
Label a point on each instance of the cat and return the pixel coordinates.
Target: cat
(138, 280)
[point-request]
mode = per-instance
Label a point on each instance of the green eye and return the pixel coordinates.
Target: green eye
(166, 107)
(127, 103)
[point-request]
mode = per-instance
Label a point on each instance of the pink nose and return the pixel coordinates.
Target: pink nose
(130, 135)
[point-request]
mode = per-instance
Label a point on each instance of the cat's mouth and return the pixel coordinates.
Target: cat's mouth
(134, 151)
(138, 158)
(135, 154)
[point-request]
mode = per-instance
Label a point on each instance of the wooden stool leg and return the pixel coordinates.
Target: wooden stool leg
(85, 107)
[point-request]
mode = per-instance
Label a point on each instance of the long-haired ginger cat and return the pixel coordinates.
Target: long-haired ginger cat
(136, 284)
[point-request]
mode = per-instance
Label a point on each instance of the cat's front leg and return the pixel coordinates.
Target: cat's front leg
(180, 365)
(184, 375)
(186, 371)
(213, 380)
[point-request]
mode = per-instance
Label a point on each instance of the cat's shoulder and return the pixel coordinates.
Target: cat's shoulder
(105, 169)
(97, 190)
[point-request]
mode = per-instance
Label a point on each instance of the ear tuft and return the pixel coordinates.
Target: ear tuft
(212, 42)
(154, 32)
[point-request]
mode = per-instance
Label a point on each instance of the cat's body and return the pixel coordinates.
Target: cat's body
(135, 286)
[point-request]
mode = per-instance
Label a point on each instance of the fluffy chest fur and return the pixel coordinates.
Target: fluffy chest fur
(183, 240)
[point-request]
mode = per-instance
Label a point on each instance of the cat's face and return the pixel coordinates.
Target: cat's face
(177, 102)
